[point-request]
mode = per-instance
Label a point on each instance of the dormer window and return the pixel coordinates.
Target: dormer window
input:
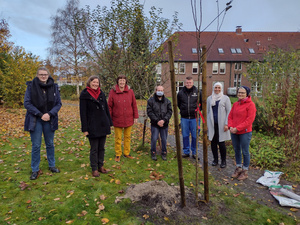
(194, 50)
(220, 50)
(251, 50)
(233, 51)
(238, 50)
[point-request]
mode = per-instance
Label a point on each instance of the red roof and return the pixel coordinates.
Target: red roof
(260, 42)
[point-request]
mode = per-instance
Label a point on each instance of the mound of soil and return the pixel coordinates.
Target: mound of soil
(158, 200)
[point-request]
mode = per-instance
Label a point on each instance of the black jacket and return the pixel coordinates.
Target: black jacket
(94, 115)
(159, 110)
(187, 102)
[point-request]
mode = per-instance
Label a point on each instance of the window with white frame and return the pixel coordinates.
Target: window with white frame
(194, 50)
(176, 68)
(233, 51)
(220, 50)
(222, 68)
(237, 80)
(238, 50)
(256, 89)
(179, 85)
(196, 84)
(238, 66)
(195, 68)
(181, 68)
(215, 68)
(158, 68)
(251, 50)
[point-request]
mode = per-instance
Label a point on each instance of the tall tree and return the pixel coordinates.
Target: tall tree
(123, 39)
(67, 46)
(16, 67)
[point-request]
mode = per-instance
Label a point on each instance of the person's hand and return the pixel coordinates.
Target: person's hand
(225, 128)
(46, 117)
(86, 133)
(161, 123)
(233, 130)
(135, 121)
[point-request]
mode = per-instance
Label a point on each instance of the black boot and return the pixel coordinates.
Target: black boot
(223, 164)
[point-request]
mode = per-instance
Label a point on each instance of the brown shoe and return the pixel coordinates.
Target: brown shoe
(237, 172)
(128, 156)
(243, 175)
(102, 170)
(95, 173)
(117, 158)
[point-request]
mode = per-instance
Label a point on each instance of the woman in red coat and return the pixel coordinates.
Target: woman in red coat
(240, 121)
(124, 113)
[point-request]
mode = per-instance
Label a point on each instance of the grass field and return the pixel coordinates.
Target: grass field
(75, 197)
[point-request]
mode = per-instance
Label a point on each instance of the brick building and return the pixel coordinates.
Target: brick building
(226, 59)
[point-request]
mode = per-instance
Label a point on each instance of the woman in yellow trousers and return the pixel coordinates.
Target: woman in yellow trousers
(124, 113)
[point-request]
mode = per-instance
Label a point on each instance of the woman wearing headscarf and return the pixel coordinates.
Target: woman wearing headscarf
(218, 108)
(240, 121)
(124, 113)
(42, 101)
(95, 122)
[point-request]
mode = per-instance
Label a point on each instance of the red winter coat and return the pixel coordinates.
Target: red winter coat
(122, 106)
(242, 116)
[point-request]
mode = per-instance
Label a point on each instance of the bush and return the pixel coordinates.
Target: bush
(68, 92)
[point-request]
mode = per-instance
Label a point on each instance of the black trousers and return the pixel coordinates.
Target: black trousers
(215, 143)
(97, 152)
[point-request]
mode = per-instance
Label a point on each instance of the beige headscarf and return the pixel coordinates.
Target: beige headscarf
(216, 97)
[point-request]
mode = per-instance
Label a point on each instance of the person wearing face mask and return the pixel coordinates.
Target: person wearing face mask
(42, 101)
(159, 110)
(240, 121)
(218, 108)
(124, 113)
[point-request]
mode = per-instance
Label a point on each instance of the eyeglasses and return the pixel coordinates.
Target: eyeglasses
(43, 75)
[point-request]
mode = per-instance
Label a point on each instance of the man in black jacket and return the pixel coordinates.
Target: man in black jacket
(159, 110)
(187, 103)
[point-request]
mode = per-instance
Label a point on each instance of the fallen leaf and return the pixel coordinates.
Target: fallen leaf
(56, 199)
(101, 207)
(118, 182)
(268, 220)
(121, 191)
(146, 216)
(28, 202)
(166, 218)
(294, 209)
(69, 221)
(112, 180)
(236, 195)
(102, 197)
(7, 218)
(52, 210)
(23, 185)
(104, 220)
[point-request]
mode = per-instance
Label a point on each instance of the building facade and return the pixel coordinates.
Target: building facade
(228, 54)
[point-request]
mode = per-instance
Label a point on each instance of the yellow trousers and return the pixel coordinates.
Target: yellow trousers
(118, 140)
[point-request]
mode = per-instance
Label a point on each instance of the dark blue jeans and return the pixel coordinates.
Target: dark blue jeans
(189, 126)
(241, 144)
(42, 127)
(163, 131)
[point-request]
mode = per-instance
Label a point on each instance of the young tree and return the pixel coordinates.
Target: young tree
(67, 45)
(278, 110)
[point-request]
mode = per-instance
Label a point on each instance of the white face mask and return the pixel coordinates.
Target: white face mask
(159, 93)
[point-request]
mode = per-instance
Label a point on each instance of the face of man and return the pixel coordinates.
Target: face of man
(189, 84)
(159, 91)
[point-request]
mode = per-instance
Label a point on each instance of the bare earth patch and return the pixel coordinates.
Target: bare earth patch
(160, 201)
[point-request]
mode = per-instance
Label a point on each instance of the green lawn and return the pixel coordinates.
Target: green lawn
(75, 197)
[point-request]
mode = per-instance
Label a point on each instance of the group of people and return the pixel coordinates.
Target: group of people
(97, 115)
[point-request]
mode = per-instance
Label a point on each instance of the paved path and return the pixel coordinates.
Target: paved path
(249, 186)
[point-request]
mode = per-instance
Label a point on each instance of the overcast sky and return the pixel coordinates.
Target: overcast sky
(29, 20)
